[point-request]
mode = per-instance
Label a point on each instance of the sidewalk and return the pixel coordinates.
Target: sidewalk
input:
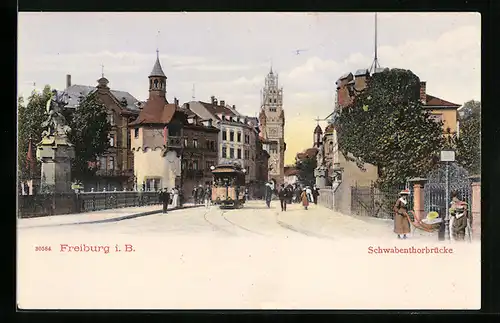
(103, 216)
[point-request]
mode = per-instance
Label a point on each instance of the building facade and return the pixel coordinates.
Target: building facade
(237, 133)
(115, 167)
(157, 138)
(272, 123)
(199, 153)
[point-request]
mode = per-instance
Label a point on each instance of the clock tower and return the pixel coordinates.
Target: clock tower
(272, 122)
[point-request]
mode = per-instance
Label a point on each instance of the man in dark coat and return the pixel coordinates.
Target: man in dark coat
(283, 194)
(164, 199)
(315, 194)
(269, 194)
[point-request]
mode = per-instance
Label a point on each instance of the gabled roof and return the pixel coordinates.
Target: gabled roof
(318, 129)
(75, 91)
(155, 111)
(216, 109)
(432, 101)
(362, 72)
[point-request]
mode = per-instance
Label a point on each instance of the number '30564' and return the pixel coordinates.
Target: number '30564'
(43, 248)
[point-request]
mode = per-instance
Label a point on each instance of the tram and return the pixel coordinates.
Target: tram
(228, 190)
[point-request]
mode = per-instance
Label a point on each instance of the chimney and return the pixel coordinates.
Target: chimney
(176, 102)
(213, 100)
(68, 80)
(234, 107)
(222, 103)
(209, 122)
(423, 93)
(187, 106)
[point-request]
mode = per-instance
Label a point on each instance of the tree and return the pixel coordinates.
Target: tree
(306, 169)
(468, 143)
(30, 117)
(89, 135)
(387, 126)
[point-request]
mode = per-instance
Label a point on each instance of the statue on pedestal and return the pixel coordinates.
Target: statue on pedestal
(55, 151)
(56, 124)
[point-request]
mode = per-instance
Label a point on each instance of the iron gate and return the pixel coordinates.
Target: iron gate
(435, 188)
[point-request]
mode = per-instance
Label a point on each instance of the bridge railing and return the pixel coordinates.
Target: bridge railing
(70, 203)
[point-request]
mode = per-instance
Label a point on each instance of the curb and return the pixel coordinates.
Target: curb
(117, 219)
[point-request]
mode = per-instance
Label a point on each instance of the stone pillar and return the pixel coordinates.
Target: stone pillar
(320, 174)
(476, 208)
(418, 197)
(56, 153)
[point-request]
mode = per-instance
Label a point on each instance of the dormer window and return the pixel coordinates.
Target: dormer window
(156, 83)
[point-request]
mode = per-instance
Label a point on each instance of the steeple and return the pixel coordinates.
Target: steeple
(157, 79)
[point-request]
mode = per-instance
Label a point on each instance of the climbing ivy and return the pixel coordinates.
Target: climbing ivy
(387, 126)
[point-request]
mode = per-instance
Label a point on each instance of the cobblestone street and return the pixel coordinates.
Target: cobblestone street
(252, 257)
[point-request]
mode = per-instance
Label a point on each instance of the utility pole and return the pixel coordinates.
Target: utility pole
(375, 63)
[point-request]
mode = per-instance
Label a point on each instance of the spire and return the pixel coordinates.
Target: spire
(375, 63)
(157, 70)
(102, 70)
(271, 70)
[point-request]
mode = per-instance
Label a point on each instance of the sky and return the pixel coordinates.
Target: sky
(229, 54)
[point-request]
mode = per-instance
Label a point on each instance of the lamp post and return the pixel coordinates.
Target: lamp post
(447, 156)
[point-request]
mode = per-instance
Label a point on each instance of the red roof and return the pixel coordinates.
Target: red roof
(432, 101)
(155, 111)
(309, 153)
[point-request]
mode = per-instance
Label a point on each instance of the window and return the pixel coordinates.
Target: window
(195, 165)
(274, 100)
(111, 118)
(183, 164)
(112, 140)
(239, 153)
(153, 184)
(224, 152)
(207, 144)
(212, 145)
(129, 141)
(111, 163)
(195, 143)
(247, 139)
(231, 136)
(224, 134)
(102, 163)
(208, 164)
(231, 153)
(247, 154)
(136, 133)
(239, 137)
(272, 109)
(185, 142)
(248, 169)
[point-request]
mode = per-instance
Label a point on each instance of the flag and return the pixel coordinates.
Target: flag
(30, 161)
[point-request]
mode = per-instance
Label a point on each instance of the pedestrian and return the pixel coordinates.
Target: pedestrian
(304, 199)
(26, 188)
(200, 194)
(164, 198)
(269, 194)
(315, 194)
(247, 197)
(455, 200)
(401, 222)
(194, 195)
(459, 224)
(208, 196)
(309, 194)
(175, 197)
(282, 194)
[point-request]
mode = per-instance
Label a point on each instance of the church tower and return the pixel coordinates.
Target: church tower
(272, 119)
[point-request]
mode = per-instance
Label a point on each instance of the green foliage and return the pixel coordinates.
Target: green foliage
(306, 169)
(387, 126)
(468, 144)
(30, 117)
(89, 135)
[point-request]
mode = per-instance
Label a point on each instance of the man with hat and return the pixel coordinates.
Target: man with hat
(401, 223)
(458, 212)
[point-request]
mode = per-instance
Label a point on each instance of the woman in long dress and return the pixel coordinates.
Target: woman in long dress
(401, 223)
(304, 199)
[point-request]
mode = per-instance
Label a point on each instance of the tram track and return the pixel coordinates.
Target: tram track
(238, 225)
(215, 226)
(302, 231)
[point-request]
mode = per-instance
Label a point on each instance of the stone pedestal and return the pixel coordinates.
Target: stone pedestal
(320, 174)
(56, 153)
(418, 197)
(476, 207)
